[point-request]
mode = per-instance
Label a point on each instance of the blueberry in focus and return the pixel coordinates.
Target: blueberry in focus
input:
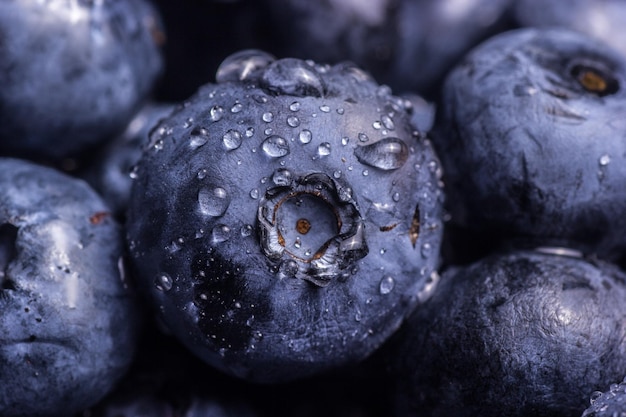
(68, 319)
(608, 403)
(531, 134)
(519, 333)
(286, 218)
(110, 173)
(73, 72)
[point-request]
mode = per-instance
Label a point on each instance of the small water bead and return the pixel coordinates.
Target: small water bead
(188, 123)
(288, 268)
(246, 230)
(163, 282)
(365, 172)
(363, 137)
(249, 132)
(305, 136)
(604, 160)
(134, 172)
(282, 177)
(323, 149)
(213, 201)
(199, 136)
(340, 111)
(202, 174)
(345, 140)
(386, 154)
(377, 125)
(387, 122)
(295, 106)
(267, 117)
(268, 131)
(386, 285)
(158, 145)
(395, 197)
(254, 193)
(337, 174)
(325, 108)
(293, 77)
(595, 396)
(232, 140)
(220, 233)
(293, 121)
(237, 107)
(426, 250)
(275, 146)
(259, 98)
(216, 113)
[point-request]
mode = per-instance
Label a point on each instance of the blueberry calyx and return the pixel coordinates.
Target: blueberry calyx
(311, 226)
(594, 80)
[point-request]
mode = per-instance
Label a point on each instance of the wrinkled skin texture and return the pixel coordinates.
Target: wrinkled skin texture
(531, 134)
(406, 44)
(514, 334)
(67, 318)
(217, 170)
(73, 72)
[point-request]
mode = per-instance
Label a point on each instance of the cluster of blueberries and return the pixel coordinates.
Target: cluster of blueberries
(251, 208)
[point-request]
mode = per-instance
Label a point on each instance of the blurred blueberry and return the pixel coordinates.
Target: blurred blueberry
(285, 219)
(533, 143)
(68, 317)
(110, 172)
(73, 72)
(521, 333)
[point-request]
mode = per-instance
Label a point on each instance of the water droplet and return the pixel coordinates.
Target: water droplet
(387, 122)
(595, 396)
(386, 285)
(216, 113)
(268, 131)
(294, 77)
(295, 106)
(386, 154)
(363, 137)
(293, 121)
(213, 201)
(345, 140)
(275, 146)
(267, 117)
(246, 230)
(237, 107)
(377, 125)
(158, 145)
(288, 268)
(282, 177)
(232, 140)
(254, 193)
(340, 110)
(249, 132)
(337, 174)
(220, 233)
(426, 250)
(199, 137)
(325, 108)
(305, 136)
(604, 160)
(323, 149)
(202, 174)
(163, 282)
(134, 172)
(365, 172)
(241, 65)
(395, 197)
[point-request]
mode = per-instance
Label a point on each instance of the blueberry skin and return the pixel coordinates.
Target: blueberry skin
(285, 219)
(110, 174)
(73, 73)
(406, 44)
(608, 403)
(532, 140)
(601, 19)
(518, 333)
(68, 319)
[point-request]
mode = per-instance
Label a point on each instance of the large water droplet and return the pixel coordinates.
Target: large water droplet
(323, 149)
(275, 146)
(232, 140)
(213, 201)
(242, 65)
(386, 154)
(293, 77)
(305, 136)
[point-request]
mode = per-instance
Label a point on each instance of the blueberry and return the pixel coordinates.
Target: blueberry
(407, 44)
(609, 403)
(601, 19)
(110, 173)
(519, 333)
(285, 219)
(532, 140)
(73, 72)
(68, 319)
